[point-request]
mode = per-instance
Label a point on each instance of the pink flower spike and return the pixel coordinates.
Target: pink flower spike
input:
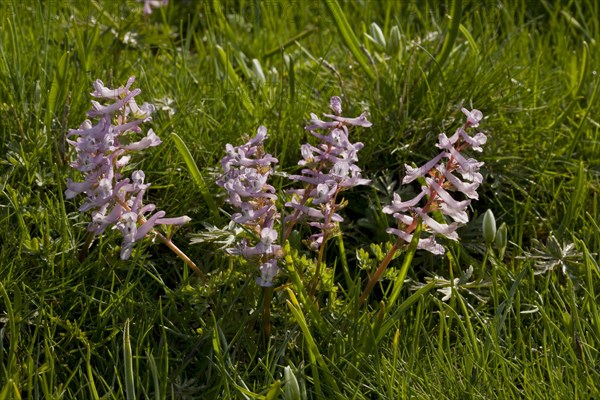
(312, 212)
(150, 140)
(316, 123)
(112, 198)
(428, 244)
(102, 91)
(467, 167)
(431, 246)
(476, 141)
(99, 109)
(249, 214)
(259, 138)
(143, 112)
(128, 227)
(268, 236)
(86, 129)
(468, 189)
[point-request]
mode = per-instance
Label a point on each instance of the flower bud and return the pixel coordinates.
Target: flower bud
(377, 37)
(291, 388)
(489, 226)
(377, 34)
(258, 71)
(393, 44)
(501, 240)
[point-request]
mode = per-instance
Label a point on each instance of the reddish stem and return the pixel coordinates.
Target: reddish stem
(167, 242)
(450, 166)
(379, 271)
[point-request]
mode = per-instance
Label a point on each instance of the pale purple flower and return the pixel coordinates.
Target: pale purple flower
(329, 168)
(440, 180)
(150, 4)
(246, 171)
(414, 173)
(102, 151)
(268, 270)
(473, 117)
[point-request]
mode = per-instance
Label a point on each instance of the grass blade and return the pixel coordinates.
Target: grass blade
(90, 373)
(576, 202)
(399, 282)
(313, 349)
(196, 175)
(235, 80)
(452, 33)
(402, 308)
(349, 37)
(128, 363)
(10, 363)
(154, 371)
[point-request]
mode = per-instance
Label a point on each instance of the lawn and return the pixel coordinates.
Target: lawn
(302, 301)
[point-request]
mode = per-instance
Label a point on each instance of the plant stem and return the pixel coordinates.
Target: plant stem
(179, 253)
(379, 271)
(83, 253)
(168, 242)
(267, 295)
(315, 279)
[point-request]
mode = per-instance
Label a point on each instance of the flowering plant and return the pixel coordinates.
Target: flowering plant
(440, 180)
(103, 150)
(329, 168)
(246, 170)
(438, 176)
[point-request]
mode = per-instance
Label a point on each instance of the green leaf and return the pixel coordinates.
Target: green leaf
(349, 37)
(399, 282)
(456, 15)
(235, 80)
(56, 88)
(575, 207)
(128, 363)
(196, 175)
(311, 344)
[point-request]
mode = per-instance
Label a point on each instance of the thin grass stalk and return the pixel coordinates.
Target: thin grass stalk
(267, 297)
(296, 311)
(128, 363)
(399, 282)
(154, 371)
(90, 373)
(469, 326)
(344, 261)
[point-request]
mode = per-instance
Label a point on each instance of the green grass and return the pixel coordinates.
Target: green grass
(106, 328)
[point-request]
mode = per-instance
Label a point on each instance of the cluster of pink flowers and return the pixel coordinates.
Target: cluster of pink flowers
(329, 168)
(246, 171)
(440, 179)
(102, 151)
(104, 148)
